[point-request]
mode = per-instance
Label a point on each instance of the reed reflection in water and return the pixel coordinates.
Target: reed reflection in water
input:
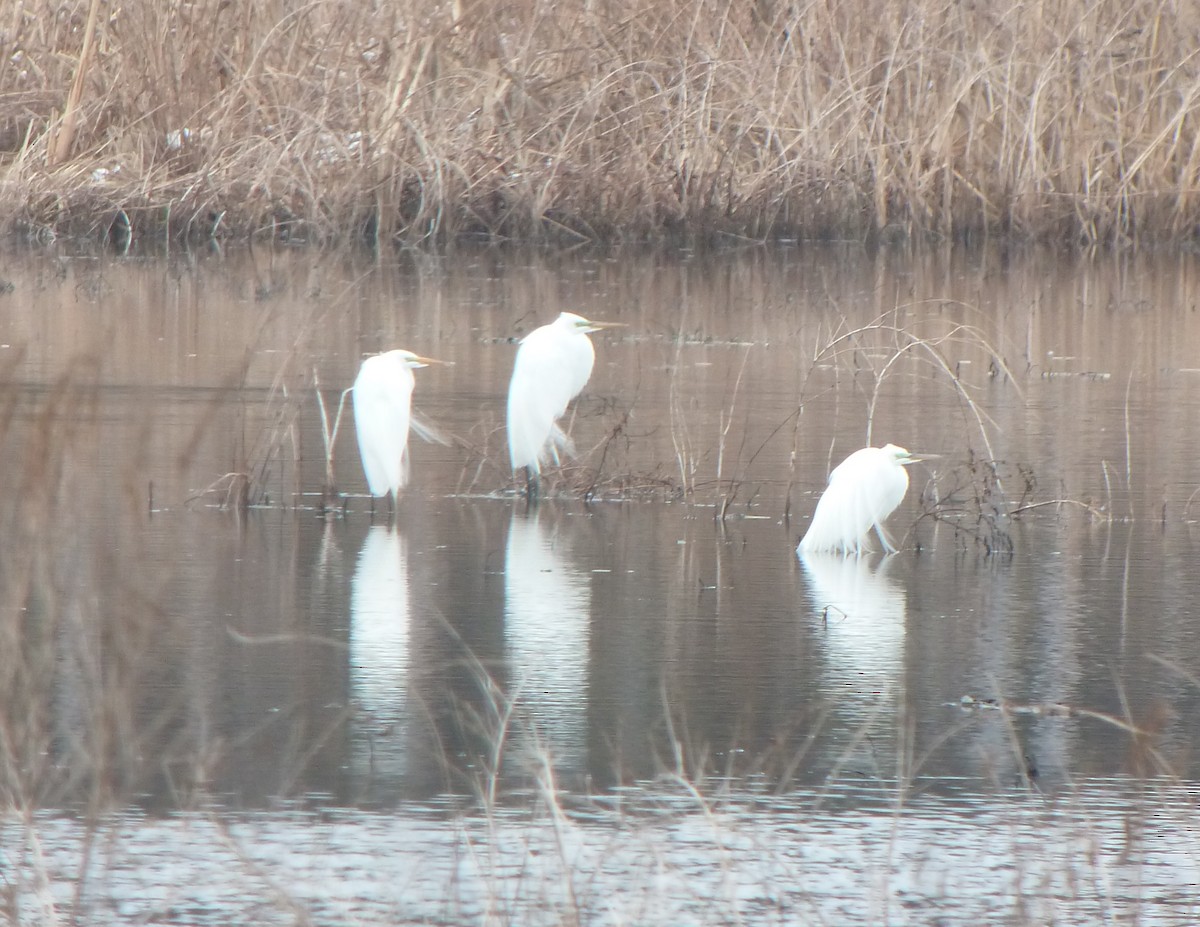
(205, 367)
(187, 659)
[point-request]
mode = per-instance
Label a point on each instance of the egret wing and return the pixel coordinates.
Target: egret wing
(426, 430)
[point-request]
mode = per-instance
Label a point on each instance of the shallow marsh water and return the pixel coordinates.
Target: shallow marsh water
(627, 708)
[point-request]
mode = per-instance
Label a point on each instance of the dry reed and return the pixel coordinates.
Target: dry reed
(614, 119)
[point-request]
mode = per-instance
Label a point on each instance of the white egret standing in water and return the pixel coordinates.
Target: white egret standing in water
(383, 417)
(552, 367)
(864, 489)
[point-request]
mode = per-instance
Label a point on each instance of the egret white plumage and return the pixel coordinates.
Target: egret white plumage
(552, 367)
(864, 489)
(382, 395)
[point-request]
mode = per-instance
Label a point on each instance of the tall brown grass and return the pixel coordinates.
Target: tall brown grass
(606, 119)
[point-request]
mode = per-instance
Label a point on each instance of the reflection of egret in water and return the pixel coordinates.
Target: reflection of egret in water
(379, 650)
(546, 614)
(862, 614)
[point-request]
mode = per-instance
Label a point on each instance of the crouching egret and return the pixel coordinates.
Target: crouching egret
(383, 415)
(552, 367)
(864, 489)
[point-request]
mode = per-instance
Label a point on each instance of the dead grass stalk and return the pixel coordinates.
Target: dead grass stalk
(614, 119)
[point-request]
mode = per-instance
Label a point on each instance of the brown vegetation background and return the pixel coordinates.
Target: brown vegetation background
(601, 119)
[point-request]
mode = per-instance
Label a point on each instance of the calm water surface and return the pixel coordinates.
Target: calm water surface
(633, 703)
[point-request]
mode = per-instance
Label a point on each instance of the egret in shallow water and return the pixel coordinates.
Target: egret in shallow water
(383, 416)
(552, 367)
(864, 489)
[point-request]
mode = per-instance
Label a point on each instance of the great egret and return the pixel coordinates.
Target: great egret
(864, 489)
(382, 417)
(552, 367)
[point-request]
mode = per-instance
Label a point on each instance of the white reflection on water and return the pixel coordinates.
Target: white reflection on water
(379, 643)
(862, 615)
(547, 604)
(863, 610)
(1119, 852)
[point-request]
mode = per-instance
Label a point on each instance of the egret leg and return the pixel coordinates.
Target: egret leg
(532, 484)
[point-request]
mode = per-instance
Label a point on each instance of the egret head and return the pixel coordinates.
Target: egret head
(412, 361)
(898, 454)
(903, 456)
(578, 323)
